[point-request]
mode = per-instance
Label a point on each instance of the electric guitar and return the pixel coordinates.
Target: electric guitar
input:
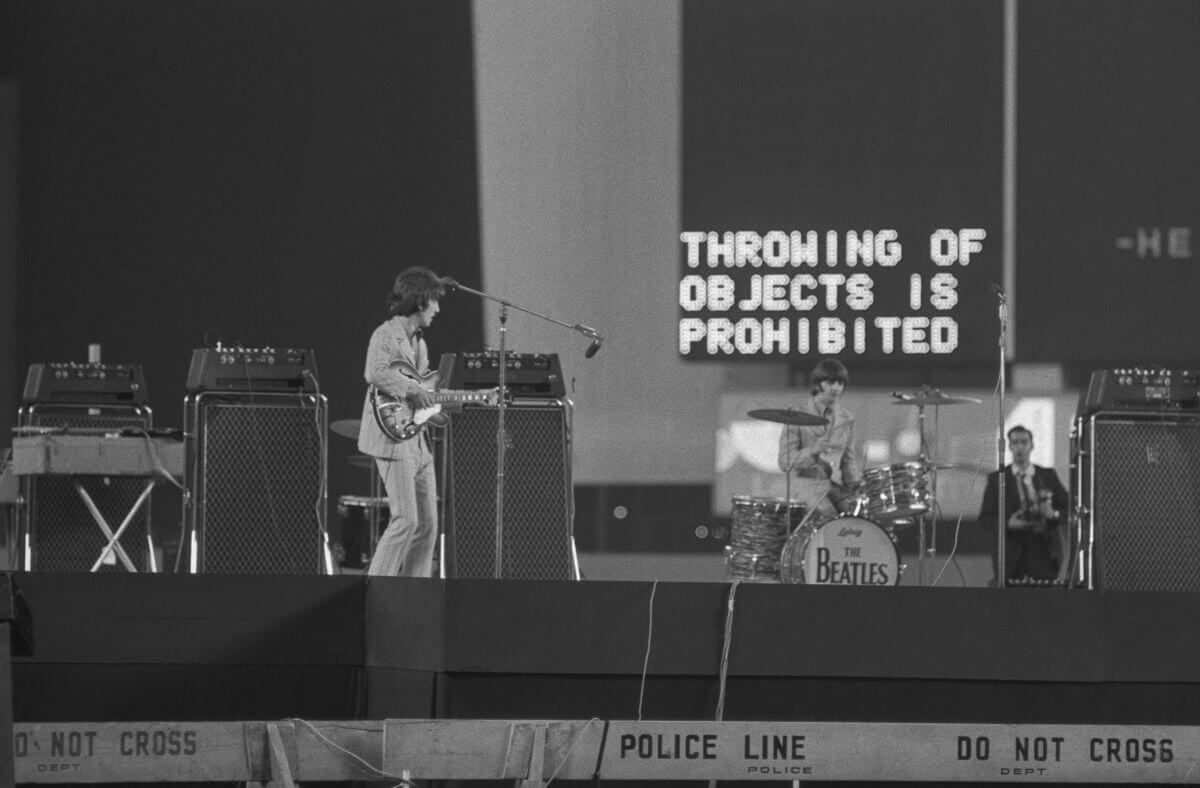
(400, 421)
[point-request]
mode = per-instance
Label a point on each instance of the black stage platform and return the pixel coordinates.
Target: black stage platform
(163, 647)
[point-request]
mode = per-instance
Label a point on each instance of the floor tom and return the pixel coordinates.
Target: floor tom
(354, 544)
(759, 529)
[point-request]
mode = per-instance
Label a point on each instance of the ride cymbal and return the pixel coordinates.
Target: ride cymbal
(934, 397)
(794, 417)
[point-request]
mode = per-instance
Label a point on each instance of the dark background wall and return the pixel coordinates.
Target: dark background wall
(827, 115)
(252, 172)
(1108, 215)
(828, 120)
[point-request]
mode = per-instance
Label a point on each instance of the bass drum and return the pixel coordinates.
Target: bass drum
(846, 551)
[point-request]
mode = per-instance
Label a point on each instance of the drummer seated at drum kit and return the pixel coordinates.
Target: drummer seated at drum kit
(820, 457)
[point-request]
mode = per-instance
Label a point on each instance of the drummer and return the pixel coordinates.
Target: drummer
(821, 457)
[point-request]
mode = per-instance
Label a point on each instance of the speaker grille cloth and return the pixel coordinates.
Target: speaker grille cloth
(537, 494)
(64, 535)
(1147, 505)
(261, 508)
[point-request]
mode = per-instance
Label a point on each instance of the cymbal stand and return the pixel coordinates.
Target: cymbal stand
(921, 518)
(1001, 518)
(787, 478)
(929, 459)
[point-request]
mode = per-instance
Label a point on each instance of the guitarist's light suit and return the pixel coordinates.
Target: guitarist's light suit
(406, 546)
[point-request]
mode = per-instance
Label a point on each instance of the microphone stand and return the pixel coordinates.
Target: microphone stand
(501, 405)
(1002, 519)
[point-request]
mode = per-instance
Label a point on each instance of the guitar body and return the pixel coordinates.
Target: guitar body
(400, 421)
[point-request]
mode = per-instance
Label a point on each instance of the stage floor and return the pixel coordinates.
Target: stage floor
(211, 647)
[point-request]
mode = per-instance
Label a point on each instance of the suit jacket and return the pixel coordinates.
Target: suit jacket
(389, 343)
(1043, 479)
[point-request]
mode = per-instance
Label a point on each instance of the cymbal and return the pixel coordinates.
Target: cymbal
(964, 467)
(933, 397)
(795, 417)
(361, 460)
(347, 428)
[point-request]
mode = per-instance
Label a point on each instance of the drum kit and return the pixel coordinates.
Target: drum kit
(782, 539)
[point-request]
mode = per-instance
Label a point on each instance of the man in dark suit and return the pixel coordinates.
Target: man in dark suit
(1035, 509)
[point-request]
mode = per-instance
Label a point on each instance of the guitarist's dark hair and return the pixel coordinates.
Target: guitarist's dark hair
(413, 290)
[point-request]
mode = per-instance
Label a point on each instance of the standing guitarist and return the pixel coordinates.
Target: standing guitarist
(406, 466)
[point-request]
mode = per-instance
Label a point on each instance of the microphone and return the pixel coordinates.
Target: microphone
(999, 292)
(449, 282)
(592, 348)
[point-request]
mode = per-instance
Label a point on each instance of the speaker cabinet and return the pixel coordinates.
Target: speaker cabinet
(256, 477)
(57, 532)
(1140, 483)
(538, 503)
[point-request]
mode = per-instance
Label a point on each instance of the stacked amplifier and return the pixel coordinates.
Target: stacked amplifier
(256, 462)
(1135, 480)
(538, 505)
(55, 532)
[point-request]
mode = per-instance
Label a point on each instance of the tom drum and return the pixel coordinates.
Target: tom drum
(894, 492)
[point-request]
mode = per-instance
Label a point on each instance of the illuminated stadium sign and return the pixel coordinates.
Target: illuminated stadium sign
(853, 292)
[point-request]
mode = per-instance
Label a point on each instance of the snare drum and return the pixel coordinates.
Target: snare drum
(893, 492)
(355, 513)
(847, 551)
(759, 530)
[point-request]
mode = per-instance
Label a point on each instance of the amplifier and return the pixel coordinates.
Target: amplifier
(252, 369)
(122, 384)
(1136, 486)
(1140, 389)
(526, 374)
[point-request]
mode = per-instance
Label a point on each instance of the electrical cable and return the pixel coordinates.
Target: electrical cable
(357, 758)
(958, 524)
(649, 641)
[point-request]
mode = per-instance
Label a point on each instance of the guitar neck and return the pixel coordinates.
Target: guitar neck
(463, 395)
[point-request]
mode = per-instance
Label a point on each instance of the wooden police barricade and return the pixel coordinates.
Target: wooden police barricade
(534, 752)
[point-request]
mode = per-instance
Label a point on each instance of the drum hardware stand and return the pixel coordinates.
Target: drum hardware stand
(928, 457)
(1001, 518)
(501, 437)
(929, 460)
(921, 546)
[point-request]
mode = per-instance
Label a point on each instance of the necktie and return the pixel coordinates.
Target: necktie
(1027, 491)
